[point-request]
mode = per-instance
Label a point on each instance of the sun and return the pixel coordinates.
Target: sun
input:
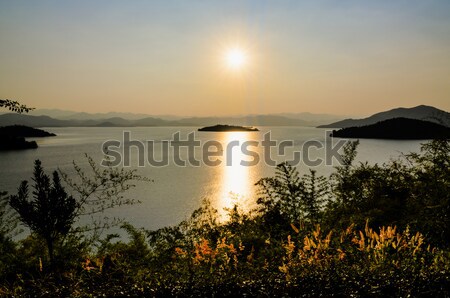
(235, 58)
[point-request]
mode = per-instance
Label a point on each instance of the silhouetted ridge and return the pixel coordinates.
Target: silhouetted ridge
(13, 137)
(24, 131)
(397, 128)
(421, 112)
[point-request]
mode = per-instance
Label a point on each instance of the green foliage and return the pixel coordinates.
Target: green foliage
(287, 197)
(414, 191)
(342, 186)
(371, 192)
(120, 258)
(52, 213)
(429, 204)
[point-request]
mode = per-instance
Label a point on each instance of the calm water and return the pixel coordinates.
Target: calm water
(177, 191)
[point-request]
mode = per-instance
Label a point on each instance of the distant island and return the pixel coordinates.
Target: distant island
(396, 129)
(224, 127)
(13, 137)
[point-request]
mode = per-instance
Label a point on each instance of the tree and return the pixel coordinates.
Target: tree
(291, 197)
(8, 220)
(50, 213)
(429, 204)
(279, 195)
(314, 191)
(343, 186)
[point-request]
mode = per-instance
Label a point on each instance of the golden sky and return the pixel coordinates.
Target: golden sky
(169, 57)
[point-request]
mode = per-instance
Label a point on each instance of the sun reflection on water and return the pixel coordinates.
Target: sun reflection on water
(236, 184)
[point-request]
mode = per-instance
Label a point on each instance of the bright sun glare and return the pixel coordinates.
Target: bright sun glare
(235, 58)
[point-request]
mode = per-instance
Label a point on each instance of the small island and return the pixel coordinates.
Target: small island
(396, 129)
(13, 137)
(224, 127)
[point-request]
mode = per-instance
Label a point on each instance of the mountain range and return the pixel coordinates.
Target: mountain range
(72, 115)
(252, 120)
(60, 118)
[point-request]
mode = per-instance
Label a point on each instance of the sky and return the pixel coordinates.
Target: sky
(167, 57)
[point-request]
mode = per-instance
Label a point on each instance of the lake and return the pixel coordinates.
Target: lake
(179, 190)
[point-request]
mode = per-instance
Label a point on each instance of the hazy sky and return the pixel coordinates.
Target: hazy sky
(166, 57)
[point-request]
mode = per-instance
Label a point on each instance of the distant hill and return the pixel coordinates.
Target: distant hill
(421, 112)
(33, 121)
(102, 116)
(72, 115)
(250, 120)
(396, 128)
(309, 119)
(54, 113)
(45, 121)
(313, 118)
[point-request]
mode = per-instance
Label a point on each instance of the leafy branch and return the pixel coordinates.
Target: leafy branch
(14, 106)
(103, 189)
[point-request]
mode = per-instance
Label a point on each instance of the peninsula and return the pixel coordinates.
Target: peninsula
(13, 137)
(24, 131)
(396, 129)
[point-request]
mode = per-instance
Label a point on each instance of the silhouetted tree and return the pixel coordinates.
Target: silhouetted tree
(342, 186)
(429, 204)
(292, 198)
(51, 211)
(313, 193)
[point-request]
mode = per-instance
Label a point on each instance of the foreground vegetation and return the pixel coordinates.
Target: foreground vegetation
(367, 230)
